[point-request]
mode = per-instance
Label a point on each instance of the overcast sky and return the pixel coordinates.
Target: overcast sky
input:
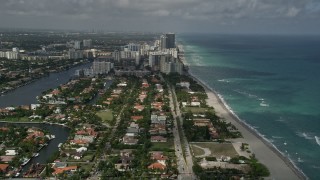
(242, 16)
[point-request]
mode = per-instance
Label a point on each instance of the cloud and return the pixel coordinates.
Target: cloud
(184, 12)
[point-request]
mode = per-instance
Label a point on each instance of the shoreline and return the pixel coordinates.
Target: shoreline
(253, 138)
(48, 123)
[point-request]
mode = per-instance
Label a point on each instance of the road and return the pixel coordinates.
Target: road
(184, 164)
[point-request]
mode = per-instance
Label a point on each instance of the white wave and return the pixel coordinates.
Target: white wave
(280, 120)
(264, 104)
(300, 160)
(246, 94)
(317, 140)
(249, 126)
(277, 137)
(271, 140)
(315, 167)
(224, 80)
(305, 135)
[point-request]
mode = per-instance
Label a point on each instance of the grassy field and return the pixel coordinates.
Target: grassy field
(217, 149)
(197, 151)
(105, 115)
(162, 145)
(196, 109)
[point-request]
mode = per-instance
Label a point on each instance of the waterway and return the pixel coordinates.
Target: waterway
(27, 94)
(61, 135)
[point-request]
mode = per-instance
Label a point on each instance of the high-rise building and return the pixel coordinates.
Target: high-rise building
(101, 67)
(87, 43)
(116, 55)
(15, 49)
(12, 55)
(77, 45)
(171, 40)
(163, 42)
(132, 47)
(75, 54)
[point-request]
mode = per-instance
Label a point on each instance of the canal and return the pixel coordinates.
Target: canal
(61, 135)
(27, 94)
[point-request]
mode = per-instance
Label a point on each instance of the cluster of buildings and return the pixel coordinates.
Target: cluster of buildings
(164, 57)
(77, 50)
(14, 54)
(134, 58)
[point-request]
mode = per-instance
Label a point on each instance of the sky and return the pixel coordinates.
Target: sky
(209, 16)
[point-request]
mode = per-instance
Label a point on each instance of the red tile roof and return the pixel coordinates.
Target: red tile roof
(4, 167)
(61, 170)
(157, 166)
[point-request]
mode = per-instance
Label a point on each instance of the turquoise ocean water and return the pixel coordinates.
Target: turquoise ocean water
(270, 82)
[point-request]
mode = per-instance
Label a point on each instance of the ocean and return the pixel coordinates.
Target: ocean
(272, 82)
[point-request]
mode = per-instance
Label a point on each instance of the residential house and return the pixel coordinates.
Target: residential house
(136, 118)
(6, 159)
(157, 166)
(158, 139)
(11, 152)
(159, 157)
(4, 167)
(129, 140)
(65, 169)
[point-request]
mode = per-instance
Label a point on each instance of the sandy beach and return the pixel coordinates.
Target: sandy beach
(279, 166)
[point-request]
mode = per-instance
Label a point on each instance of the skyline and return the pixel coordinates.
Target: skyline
(231, 16)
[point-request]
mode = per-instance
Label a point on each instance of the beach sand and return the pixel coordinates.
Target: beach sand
(279, 166)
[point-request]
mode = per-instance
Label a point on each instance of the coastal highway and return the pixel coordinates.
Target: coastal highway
(184, 165)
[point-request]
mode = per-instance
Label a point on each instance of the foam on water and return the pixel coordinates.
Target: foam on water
(317, 140)
(224, 80)
(305, 135)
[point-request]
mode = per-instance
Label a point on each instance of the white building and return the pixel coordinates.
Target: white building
(87, 43)
(77, 45)
(101, 67)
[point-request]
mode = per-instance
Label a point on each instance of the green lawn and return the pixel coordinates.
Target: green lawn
(162, 145)
(197, 151)
(105, 115)
(217, 149)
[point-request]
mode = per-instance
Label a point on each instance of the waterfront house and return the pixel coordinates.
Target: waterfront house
(4, 167)
(65, 169)
(11, 152)
(6, 159)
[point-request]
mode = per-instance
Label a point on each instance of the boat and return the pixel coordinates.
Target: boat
(17, 174)
(25, 161)
(59, 145)
(35, 154)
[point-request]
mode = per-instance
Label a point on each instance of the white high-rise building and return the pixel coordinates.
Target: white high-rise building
(101, 67)
(87, 43)
(12, 55)
(15, 49)
(77, 45)
(75, 54)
